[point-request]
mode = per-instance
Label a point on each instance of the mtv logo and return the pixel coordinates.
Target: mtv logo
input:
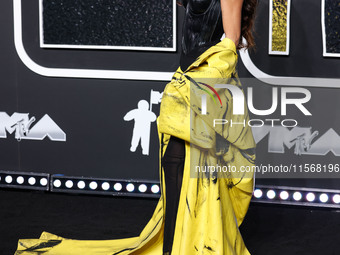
(20, 124)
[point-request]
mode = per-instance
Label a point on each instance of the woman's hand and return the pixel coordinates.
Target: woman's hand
(231, 18)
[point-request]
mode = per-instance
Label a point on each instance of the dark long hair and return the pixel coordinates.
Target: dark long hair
(247, 23)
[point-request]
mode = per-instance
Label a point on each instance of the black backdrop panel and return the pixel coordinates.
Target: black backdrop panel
(90, 112)
(91, 58)
(87, 22)
(305, 59)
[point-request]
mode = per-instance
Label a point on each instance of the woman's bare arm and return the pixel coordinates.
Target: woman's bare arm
(231, 18)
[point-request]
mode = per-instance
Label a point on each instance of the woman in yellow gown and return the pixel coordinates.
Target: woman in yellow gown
(211, 204)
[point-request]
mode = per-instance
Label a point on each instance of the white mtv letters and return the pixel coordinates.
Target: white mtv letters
(21, 124)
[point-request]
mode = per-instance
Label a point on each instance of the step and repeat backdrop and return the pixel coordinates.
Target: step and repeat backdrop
(81, 85)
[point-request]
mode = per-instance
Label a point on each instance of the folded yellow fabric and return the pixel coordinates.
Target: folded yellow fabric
(211, 207)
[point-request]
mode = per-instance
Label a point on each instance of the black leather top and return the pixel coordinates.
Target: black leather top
(202, 28)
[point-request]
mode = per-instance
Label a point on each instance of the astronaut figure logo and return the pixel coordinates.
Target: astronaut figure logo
(143, 116)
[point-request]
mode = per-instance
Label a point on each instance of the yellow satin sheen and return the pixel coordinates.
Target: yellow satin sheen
(210, 210)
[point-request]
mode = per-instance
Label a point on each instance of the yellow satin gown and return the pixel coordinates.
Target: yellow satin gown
(211, 208)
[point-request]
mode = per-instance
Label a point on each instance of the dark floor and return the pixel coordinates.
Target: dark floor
(267, 229)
